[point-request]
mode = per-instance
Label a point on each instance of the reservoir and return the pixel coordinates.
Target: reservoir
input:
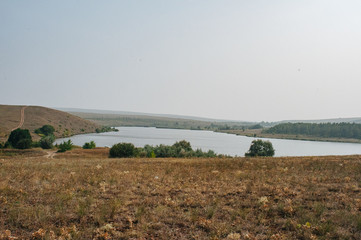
(221, 143)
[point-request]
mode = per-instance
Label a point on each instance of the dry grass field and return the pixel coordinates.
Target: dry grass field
(83, 194)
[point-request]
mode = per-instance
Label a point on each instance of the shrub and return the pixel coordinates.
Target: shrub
(257, 126)
(89, 145)
(35, 144)
(46, 130)
(260, 148)
(123, 150)
(20, 138)
(47, 142)
(7, 145)
(183, 145)
(65, 146)
(163, 151)
(24, 144)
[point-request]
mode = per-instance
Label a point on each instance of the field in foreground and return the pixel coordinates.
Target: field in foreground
(82, 194)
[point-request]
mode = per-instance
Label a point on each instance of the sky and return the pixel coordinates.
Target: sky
(256, 60)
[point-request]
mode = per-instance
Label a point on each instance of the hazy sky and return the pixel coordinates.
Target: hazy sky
(242, 60)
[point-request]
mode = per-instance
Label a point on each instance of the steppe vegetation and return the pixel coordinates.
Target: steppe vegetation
(83, 194)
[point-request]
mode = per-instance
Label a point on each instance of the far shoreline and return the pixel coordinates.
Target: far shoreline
(253, 133)
(257, 133)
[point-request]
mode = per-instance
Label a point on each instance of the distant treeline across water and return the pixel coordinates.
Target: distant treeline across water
(326, 130)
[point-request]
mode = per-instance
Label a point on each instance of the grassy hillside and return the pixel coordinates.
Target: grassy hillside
(65, 124)
(116, 120)
(238, 198)
(331, 120)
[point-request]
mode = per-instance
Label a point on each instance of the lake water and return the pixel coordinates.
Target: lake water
(221, 143)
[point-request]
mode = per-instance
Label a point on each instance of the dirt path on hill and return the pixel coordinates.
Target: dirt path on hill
(22, 118)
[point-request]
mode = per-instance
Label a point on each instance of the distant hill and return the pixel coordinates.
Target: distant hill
(135, 119)
(65, 124)
(126, 113)
(331, 120)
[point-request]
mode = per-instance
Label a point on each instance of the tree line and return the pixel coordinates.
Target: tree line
(325, 130)
(181, 149)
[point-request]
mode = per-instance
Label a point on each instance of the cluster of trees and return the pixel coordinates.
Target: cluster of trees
(21, 138)
(237, 127)
(182, 149)
(47, 136)
(106, 129)
(326, 130)
(178, 150)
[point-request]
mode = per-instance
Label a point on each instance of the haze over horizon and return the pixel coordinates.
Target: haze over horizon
(238, 60)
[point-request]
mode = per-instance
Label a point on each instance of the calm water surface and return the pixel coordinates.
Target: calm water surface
(221, 143)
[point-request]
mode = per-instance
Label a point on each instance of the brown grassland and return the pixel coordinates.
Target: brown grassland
(65, 124)
(83, 194)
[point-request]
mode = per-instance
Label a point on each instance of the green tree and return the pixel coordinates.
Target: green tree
(257, 126)
(122, 150)
(47, 130)
(65, 146)
(182, 147)
(89, 145)
(47, 142)
(260, 148)
(20, 138)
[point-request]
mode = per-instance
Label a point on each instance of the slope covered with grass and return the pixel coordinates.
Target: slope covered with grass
(65, 124)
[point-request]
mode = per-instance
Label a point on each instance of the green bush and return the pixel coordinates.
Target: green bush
(257, 126)
(106, 129)
(20, 138)
(46, 130)
(164, 151)
(123, 150)
(180, 149)
(7, 145)
(47, 142)
(65, 146)
(260, 148)
(35, 144)
(89, 145)
(24, 144)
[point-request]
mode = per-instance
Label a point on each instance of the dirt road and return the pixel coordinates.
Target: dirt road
(22, 118)
(50, 154)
